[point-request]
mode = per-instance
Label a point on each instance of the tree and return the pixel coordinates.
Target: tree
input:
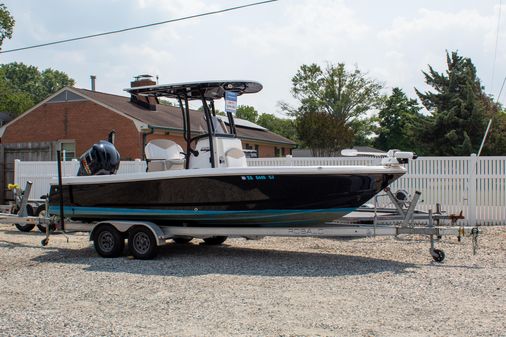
(6, 24)
(13, 102)
(217, 111)
(247, 112)
(282, 126)
(166, 101)
(24, 86)
(323, 132)
(458, 106)
(333, 103)
(495, 143)
(399, 123)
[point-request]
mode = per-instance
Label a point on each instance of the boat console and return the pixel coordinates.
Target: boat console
(228, 151)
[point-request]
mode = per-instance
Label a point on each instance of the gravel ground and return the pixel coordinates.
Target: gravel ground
(275, 286)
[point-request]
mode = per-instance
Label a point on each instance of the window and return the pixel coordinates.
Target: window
(277, 152)
(68, 149)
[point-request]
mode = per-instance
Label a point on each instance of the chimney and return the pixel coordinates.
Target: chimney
(143, 101)
(93, 78)
(142, 80)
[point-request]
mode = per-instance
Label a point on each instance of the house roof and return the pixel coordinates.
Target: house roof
(169, 117)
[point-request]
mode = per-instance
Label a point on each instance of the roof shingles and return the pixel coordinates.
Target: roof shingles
(170, 117)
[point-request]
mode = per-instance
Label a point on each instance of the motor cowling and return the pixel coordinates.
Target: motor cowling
(101, 159)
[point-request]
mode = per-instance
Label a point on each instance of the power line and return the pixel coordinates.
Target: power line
(500, 91)
(138, 27)
(496, 43)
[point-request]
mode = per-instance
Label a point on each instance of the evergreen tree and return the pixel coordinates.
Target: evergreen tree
(399, 123)
(458, 107)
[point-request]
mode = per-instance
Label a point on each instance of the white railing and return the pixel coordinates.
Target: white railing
(475, 185)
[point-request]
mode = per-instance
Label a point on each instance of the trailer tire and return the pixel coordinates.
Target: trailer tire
(142, 243)
(182, 240)
(26, 227)
(108, 241)
(438, 255)
(41, 213)
(215, 240)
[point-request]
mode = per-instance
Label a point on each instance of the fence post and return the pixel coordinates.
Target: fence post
(288, 160)
(138, 165)
(471, 190)
(74, 167)
(17, 163)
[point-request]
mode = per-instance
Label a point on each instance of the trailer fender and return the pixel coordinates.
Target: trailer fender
(124, 226)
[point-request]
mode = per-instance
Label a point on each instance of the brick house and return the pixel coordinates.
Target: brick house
(78, 118)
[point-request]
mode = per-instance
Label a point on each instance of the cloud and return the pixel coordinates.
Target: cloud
(423, 39)
(266, 43)
(435, 22)
(305, 28)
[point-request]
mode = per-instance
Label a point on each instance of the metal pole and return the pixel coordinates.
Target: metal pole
(24, 200)
(411, 209)
(485, 136)
(471, 190)
(394, 201)
(431, 226)
(60, 189)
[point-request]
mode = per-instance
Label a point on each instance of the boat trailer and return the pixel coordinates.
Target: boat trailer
(144, 237)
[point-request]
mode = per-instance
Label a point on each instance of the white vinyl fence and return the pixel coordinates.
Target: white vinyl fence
(40, 173)
(475, 185)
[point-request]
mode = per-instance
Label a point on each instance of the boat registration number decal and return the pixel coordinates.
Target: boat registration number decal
(257, 177)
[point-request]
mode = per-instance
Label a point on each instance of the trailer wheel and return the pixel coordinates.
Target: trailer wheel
(438, 255)
(26, 227)
(108, 241)
(182, 240)
(215, 240)
(142, 243)
(41, 213)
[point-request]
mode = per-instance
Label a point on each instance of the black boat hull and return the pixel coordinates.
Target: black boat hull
(224, 200)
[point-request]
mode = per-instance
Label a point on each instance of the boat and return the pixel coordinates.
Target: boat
(209, 183)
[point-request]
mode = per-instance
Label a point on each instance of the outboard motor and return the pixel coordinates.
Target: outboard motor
(101, 159)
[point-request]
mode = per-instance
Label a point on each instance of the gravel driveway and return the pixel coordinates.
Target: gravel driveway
(275, 286)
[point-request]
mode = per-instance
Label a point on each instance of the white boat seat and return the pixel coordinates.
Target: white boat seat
(235, 158)
(164, 154)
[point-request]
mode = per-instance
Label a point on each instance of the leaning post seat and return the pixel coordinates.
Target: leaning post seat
(163, 154)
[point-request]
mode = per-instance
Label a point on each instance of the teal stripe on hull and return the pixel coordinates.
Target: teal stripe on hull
(294, 217)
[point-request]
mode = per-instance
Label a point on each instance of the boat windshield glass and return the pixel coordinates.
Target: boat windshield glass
(219, 126)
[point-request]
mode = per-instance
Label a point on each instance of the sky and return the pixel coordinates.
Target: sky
(393, 41)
